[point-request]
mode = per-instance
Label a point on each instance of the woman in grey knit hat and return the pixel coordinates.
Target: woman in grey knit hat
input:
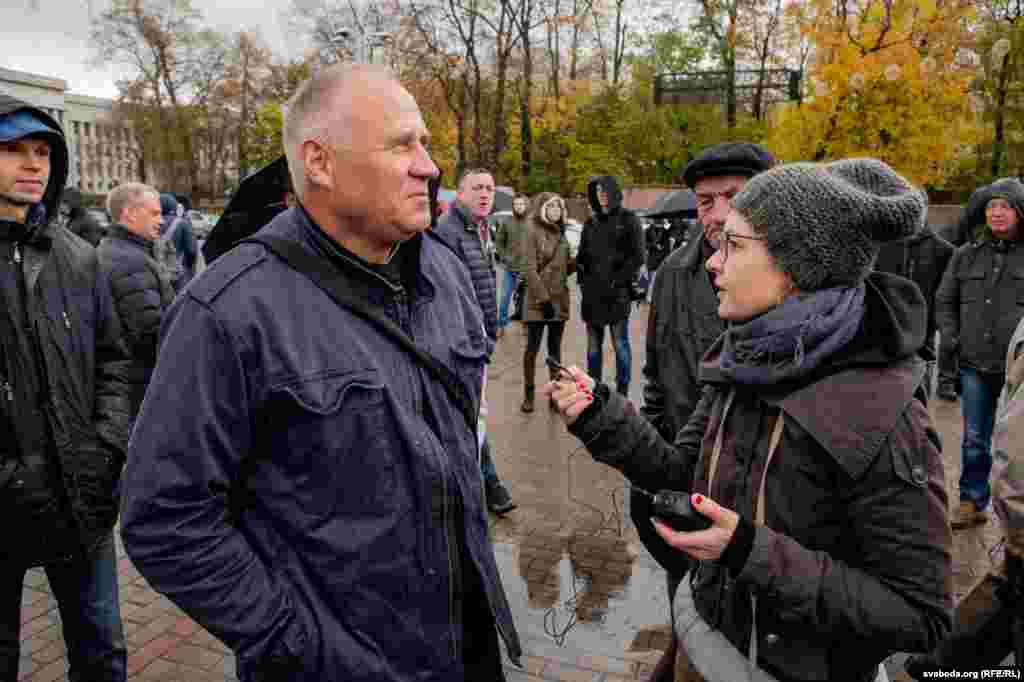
(811, 457)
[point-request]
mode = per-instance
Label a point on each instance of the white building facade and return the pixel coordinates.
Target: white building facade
(103, 155)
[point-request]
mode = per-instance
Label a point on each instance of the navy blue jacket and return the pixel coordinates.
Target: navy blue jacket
(342, 560)
(64, 391)
(458, 230)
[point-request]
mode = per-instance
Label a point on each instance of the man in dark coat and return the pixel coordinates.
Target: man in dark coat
(64, 406)
(610, 255)
(177, 230)
(80, 221)
(923, 259)
(464, 228)
(141, 290)
(299, 482)
(683, 320)
(978, 307)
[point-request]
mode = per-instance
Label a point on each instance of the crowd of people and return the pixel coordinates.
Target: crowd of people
(296, 439)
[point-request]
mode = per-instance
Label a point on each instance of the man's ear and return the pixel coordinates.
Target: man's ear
(319, 164)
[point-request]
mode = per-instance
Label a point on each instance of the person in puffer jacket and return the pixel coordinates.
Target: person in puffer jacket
(811, 460)
(140, 287)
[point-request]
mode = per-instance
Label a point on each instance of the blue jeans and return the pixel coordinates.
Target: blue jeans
(509, 282)
(623, 353)
(90, 613)
(487, 468)
(980, 393)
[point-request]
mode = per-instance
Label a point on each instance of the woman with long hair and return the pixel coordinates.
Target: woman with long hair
(548, 266)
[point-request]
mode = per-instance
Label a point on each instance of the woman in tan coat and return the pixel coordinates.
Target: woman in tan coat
(548, 266)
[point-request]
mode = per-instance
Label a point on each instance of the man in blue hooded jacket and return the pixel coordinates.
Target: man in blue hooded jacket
(64, 407)
(361, 553)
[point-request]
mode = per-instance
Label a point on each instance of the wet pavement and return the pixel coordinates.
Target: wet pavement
(589, 602)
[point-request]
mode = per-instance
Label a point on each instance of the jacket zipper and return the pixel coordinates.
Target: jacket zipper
(454, 650)
(8, 391)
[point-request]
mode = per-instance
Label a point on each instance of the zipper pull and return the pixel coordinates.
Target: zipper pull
(17, 253)
(67, 322)
(8, 391)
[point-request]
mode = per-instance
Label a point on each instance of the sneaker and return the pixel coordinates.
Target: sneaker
(498, 499)
(947, 393)
(967, 515)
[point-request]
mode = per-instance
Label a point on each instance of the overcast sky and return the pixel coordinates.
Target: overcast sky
(51, 37)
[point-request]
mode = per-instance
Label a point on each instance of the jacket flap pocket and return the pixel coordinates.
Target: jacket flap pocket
(325, 393)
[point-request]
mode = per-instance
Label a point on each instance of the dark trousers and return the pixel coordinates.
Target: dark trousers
(90, 615)
(949, 372)
(534, 335)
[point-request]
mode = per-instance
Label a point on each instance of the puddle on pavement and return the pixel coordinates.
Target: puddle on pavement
(592, 593)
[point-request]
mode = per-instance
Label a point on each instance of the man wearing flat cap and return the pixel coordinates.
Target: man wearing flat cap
(683, 320)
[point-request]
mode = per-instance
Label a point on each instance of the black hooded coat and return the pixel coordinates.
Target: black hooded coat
(610, 254)
(64, 373)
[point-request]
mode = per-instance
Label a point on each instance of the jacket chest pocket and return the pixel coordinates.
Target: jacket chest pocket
(1018, 284)
(972, 284)
(334, 441)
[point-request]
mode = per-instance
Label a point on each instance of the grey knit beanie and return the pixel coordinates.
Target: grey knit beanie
(823, 222)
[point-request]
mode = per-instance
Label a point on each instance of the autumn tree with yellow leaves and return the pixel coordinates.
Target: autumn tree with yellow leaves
(889, 79)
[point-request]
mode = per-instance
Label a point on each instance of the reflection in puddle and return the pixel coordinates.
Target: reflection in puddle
(593, 592)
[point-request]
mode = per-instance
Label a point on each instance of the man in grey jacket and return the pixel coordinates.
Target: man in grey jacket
(978, 306)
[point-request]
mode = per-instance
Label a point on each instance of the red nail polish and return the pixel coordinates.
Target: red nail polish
(697, 499)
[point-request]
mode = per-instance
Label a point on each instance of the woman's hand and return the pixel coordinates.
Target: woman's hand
(707, 544)
(572, 394)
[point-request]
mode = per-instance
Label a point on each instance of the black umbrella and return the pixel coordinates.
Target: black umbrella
(258, 199)
(681, 203)
(502, 201)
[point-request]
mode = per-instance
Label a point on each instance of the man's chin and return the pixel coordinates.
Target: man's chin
(20, 199)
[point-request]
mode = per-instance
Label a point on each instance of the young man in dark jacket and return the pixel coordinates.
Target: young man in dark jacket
(509, 248)
(683, 320)
(176, 229)
(610, 255)
(464, 228)
(978, 307)
(64, 406)
(299, 482)
(923, 259)
(141, 290)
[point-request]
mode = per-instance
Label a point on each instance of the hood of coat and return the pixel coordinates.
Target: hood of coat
(611, 186)
(536, 211)
(58, 154)
(972, 225)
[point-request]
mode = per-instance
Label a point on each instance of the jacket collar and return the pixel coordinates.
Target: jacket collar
(692, 255)
(360, 273)
(465, 216)
(39, 236)
(852, 413)
(121, 232)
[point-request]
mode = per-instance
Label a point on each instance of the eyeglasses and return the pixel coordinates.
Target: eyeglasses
(726, 242)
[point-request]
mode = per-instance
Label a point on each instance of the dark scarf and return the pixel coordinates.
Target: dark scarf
(792, 339)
